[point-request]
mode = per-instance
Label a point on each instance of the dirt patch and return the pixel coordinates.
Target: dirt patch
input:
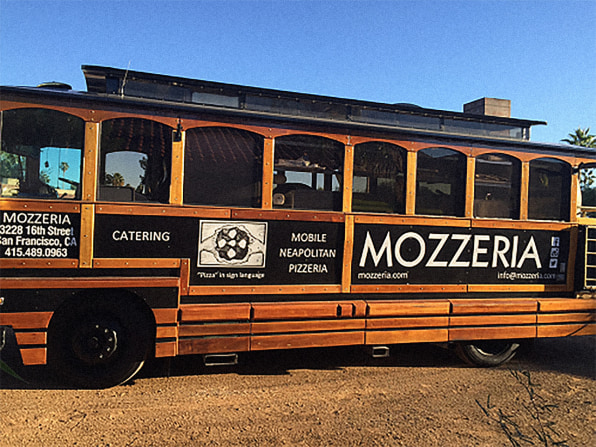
(420, 396)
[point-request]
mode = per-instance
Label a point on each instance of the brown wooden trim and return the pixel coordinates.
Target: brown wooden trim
(264, 290)
(161, 210)
(31, 338)
(136, 263)
(166, 332)
(566, 330)
(492, 333)
(88, 283)
(566, 304)
(87, 235)
(470, 186)
(492, 320)
(583, 317)
(518, 288)
(33, 356)
(38, 263)
(409, 288)
(346, 273)
(407, 336)
(411, 183)
(165, 316)
(9, 204)
(519, 225)
(406, 322)
(216, 345)
(494, 306)
(303, 310)
(573, 249)
(299, 215)
(25, 320)
(166, 349)
(306, 326)
(407, 308)
(524, 190)
(407, 220)
(184, 276)
(177, 175)
(210, 330)
(214, 312)
(348, 178)
(268, 163)
(90, 162)
(314, 340)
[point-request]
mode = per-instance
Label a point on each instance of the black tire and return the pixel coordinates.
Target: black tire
(487, 353)
(98, 342)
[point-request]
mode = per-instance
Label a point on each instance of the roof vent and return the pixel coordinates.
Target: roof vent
(55, 85)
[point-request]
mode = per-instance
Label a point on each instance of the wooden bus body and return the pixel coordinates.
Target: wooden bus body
(161, 216)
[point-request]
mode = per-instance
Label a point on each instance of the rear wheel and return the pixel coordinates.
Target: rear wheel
(487, 353)
(98, 342)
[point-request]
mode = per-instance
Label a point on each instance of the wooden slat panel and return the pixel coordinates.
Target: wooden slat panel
(407, 336)
(492, 333)
(87, 283)
(306, 326)
(409, 307)
(519, 225)
(26, 320)
(136, 263)
(297, 310)
(204, 330)
(407, 322)
(566, 330)
(214, 312)
(497, 306)
(33, 356)
(213, 345)
(166, 349)
(266, 342)
(31, 338)
(415, 221)
(87, 235)
(410, 288)
(38, 263)
(563, 304)
(346, 274)
(264, 290)
(39, 206)
(184, 276)
(497, 320)
(584, 317)
(161, 210)
(165, 316)
(166, 332)
(305, 216)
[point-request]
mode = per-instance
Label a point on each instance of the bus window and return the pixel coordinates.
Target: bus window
(497, 186)
(40, 155)
(308, 173)
(587, 186)
(379, 178)
(440, 182)
(549, 190)
(135, 161)
(223, 167)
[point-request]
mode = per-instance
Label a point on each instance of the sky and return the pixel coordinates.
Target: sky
(540, 54)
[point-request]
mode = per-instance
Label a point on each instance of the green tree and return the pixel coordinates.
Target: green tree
(581, 137)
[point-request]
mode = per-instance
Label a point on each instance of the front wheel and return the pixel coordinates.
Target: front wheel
(98, 342)
(486, 353)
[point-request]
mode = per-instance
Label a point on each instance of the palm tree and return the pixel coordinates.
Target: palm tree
(581, 137)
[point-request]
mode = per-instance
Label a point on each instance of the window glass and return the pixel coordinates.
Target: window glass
(379, 178)
(308, 173)
(135, 161)
(440, 182)
(497, 186)
(587, 185)
(41, 154)
(550, 189)
(223, 167)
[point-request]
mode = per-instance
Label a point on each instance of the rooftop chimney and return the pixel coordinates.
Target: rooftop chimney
(489, 106)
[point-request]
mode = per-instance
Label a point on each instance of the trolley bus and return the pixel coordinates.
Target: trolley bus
(157, 216)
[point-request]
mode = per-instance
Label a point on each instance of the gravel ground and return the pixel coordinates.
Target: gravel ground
(420, 396)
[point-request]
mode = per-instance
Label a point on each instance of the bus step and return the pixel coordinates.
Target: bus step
(220, 359)
(379, 352)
